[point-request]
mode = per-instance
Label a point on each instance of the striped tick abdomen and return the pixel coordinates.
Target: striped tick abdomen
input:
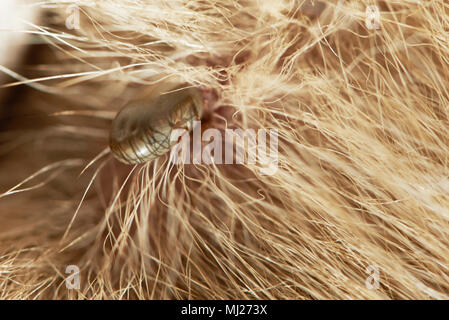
(141, 131)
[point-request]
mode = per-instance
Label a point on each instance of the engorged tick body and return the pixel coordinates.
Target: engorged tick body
(141, 131)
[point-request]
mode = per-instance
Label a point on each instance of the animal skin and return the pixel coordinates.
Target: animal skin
(357, 207)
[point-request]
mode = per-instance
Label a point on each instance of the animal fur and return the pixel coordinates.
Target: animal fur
(363, 178)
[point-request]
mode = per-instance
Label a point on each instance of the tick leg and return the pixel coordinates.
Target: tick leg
(181, 136)
(171, 123)
(181, 125)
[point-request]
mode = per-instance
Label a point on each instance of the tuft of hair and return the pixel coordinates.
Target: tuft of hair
(359, 205)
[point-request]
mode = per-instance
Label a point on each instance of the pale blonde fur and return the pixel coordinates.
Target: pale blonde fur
(362, 117)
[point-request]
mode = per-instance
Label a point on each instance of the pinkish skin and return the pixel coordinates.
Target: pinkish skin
(215, 114)
(210, 99)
